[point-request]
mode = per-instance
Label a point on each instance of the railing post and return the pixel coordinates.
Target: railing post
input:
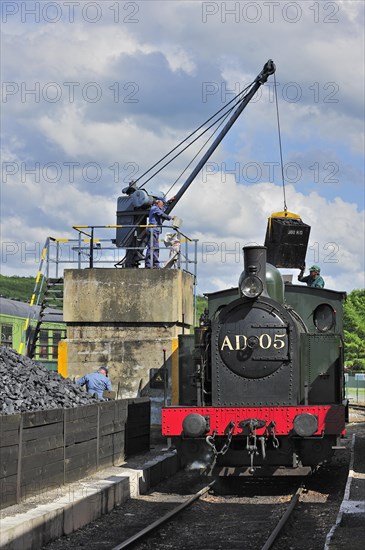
(79, 253)
(47, 257)
(151, 248)
(186, 254)
(91, 263)
(57, 257)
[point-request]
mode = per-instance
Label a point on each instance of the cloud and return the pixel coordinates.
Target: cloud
(181, 63)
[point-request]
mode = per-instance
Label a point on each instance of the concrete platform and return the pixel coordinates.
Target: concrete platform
(62, 510)
(349, 529)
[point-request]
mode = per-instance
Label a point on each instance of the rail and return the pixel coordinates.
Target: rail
(91, 248)
(138, 536)
(183, 255)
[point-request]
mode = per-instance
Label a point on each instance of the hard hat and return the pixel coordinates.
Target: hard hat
(315, 268)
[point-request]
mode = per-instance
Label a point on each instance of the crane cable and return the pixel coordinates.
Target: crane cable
(224, 116)
(280, 146)
(201, 148)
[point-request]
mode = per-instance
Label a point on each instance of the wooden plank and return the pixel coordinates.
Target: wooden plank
(10, 437)
(40, 445)
(7, 492)
(85, 460)
(44, 475)
(40, 418)
(9, 422)
(38, 432)
(79, 436)
(80, 472)
(80, 426)
(107, 414)
(112, 428)
(112, 460)
(80, 448)
(121, 409)
(109, 443)
(8, 461)
(88, 413)
(41, 459)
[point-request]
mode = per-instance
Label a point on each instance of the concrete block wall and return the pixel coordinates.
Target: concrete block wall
(125, 318)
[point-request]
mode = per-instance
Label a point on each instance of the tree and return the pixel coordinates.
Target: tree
(354, 329)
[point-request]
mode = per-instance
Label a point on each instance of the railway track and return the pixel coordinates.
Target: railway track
(172, 513)
(254, 513)
(175, 513)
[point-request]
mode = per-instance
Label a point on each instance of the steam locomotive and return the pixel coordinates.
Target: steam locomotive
(261, 382)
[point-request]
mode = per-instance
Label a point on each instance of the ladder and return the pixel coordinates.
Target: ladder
(51, 304)
(47, 293)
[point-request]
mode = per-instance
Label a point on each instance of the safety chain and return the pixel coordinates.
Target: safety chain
(272, 431)
(210, 440)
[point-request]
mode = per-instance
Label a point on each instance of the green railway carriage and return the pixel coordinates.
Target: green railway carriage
(13, 316)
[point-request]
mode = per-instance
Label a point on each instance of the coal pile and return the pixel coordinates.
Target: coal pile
(28, 386)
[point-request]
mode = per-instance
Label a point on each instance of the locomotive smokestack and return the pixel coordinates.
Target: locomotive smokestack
(254, 258)
(252, 282)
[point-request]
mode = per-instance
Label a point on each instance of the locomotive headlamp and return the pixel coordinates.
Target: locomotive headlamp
(195, 425)
(305, 424)
(251, 286)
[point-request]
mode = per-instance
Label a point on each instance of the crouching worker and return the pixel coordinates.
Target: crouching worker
(96, 382)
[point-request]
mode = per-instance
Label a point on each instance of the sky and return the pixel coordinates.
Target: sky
(94, 93)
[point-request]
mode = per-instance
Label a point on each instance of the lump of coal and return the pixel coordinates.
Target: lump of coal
(28, 386)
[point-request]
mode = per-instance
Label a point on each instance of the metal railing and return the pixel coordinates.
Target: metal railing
(185, 257)
(91, 248)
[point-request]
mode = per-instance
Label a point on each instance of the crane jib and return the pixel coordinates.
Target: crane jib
(130, 214)
(269, 69)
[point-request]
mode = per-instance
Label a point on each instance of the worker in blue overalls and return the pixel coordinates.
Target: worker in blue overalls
(156, 217)
(96, 382)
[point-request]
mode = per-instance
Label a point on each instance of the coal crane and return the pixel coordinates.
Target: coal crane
(133, 206)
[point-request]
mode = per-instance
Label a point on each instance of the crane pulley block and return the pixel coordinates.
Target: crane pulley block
(286, 240)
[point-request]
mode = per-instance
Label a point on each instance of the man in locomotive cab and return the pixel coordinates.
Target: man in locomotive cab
(313, 279)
